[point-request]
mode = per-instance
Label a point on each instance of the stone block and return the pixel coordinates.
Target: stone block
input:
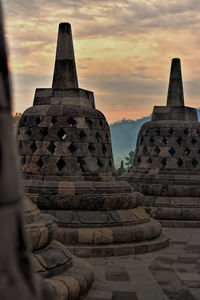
(85, 236)
(72, 285)
(103, 236)
(66, 188)
(44, 92)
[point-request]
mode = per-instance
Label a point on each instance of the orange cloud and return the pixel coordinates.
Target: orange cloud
(123, 49)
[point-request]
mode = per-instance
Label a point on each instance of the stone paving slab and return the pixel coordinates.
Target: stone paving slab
(170, 273)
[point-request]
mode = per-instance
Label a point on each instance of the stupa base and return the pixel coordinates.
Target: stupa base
(97, 218)
(180, 224)
(113, 241)
(176, 216)
(173, 202)
(120, 249)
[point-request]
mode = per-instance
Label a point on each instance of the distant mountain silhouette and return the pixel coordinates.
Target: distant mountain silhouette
(198, 113)
(124, 137)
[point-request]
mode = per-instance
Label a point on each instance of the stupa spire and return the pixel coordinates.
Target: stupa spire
(175, 91)
(65, 76)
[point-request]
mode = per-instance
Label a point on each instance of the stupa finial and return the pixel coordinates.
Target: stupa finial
(65, 76)
(175, 91)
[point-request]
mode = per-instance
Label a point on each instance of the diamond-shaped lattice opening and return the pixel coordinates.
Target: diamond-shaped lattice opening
(147, 131)
(72, 148)
(40, 162)
(172, 151)
(193, 141)
(139, 160)
(71, 122)
(82, 134)
(91, 147)
(187, 151)
(157, 131)
(157, 150)
(179, 141)
(144, 150)
(171, 131)
(33, 147)
(110, 163)
(97, 135)
(141, 139)
(54, 120)
(62, 134)
(194, 162)
(28, 132)
(163, 162)
(99, 163)
(81, 160)
(51, 148)
(38, 120)
(23, 160)
(43, 131)
(151, 140)
(186, 131)
(104, 149)
(198, 131)
(199, 152)
(89, 122)
(101, 123)
(60, 164)
(179, 162)
(149, 160)
(165, 140)
(19, 147)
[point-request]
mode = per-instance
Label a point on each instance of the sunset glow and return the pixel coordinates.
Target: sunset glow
(123, 50)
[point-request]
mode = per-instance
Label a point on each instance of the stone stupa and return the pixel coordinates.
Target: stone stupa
(65, 149)
(166, 167)
(62, 276)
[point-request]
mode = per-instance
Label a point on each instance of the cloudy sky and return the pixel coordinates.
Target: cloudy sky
(123, 50)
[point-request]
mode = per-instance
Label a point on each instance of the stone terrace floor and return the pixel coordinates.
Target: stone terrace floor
(170, 273)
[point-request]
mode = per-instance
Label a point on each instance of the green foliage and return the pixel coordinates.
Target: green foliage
(129, 159)
(124, 137)
(16, 119)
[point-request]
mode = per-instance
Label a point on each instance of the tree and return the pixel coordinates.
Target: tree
(129, 159)
(16, 119)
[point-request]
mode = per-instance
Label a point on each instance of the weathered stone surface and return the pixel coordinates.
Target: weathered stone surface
(167, 161)
(52, 260)
(67, 160)
(175, 92)
(16, 274)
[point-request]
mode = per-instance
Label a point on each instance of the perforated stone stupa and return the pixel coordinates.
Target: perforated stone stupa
(65, 149)
(167, 161)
